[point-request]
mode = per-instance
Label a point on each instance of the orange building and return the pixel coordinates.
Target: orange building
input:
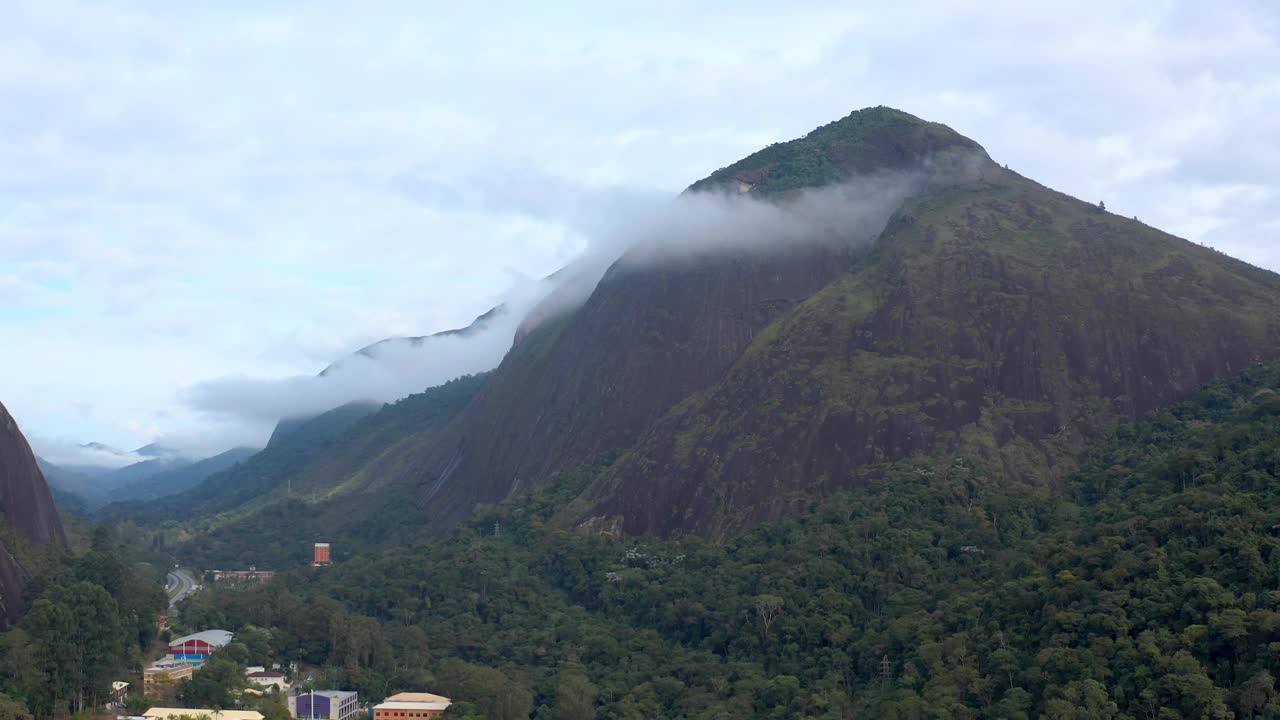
(411, 706)
(322, 555)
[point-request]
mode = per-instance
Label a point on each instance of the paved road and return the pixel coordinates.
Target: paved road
(183, 581)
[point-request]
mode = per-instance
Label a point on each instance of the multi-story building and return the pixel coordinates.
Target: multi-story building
(321, 555)
(324, 705)
(411, 706)
(164, 674)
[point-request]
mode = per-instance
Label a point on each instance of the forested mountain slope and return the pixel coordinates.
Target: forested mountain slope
(1145, 586)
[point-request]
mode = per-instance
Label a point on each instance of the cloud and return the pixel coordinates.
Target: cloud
(621, 227)
(385, 372)
(200, 191)
(67, 453)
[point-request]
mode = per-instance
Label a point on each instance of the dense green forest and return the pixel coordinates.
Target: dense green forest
(92, 618)
(1147, 587)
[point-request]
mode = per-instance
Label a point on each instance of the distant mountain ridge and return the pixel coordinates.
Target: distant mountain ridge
(81, 489)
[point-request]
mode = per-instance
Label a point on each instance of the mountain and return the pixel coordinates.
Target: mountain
(28, 516)
(323, 426)
(314, 463)
(991, 314)
(980, 313)
(176, 477)
(1144, 586)
(373, 350)
(336, 420)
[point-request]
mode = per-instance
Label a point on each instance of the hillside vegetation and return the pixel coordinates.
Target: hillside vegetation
(315, 479)
(1146, 587)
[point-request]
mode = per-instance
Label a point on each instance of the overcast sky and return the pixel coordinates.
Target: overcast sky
(188, 195)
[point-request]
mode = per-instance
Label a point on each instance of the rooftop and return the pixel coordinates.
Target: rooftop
(163, 713)
(217, 638)
(414, 705)
(331, 694)
(417, 697)
(265, 674)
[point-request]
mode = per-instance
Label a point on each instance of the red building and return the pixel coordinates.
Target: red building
(322, 554)
(199, 646)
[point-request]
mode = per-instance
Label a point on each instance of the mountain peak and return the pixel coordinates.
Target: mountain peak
(863, 142)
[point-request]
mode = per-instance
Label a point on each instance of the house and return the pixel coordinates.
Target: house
(197, 647)
(119, 689)
(411, 706)
(164, 673)
(324, 705)
(159, 713)
(268, 680)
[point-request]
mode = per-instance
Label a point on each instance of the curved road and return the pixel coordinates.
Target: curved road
(183, 581)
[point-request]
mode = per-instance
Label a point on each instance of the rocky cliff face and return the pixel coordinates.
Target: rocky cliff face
(998, 318)
(27, 513)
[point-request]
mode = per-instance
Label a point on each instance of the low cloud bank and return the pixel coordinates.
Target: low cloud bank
(619, 227)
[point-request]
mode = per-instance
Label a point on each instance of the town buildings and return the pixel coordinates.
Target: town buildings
(164, 673)
(268, 680)
(324, 705)
(411, 706)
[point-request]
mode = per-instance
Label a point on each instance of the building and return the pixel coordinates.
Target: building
(197, 647)
(324, 704)
(165, 673)
(321, 555)
(253, 574)
(159, 713)
(119, 689)
(268, 680)
(411, 706)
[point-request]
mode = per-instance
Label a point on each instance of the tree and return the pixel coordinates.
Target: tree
(1102, 206)
(575, 697)
(1256, 695)
(11, 709)
(768, 608)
